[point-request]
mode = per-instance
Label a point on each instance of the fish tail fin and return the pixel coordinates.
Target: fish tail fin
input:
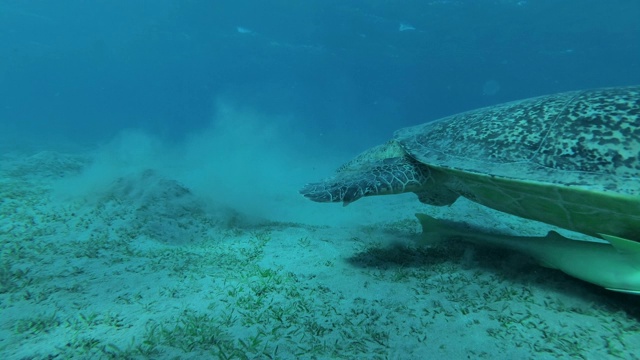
(433, 230)
(623, 246)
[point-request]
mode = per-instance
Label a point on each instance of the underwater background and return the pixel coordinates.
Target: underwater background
(152, 153)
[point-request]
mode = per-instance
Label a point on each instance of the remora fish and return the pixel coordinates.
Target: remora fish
(614, 266)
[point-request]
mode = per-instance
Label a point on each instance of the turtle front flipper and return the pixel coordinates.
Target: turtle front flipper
(387, 176)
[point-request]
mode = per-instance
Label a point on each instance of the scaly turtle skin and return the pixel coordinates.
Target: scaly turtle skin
(570, 159)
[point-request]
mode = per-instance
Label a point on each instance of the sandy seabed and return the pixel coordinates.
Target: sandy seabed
(142, 267)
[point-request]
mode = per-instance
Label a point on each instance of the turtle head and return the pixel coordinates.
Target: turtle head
(335, 191)
(383, 177)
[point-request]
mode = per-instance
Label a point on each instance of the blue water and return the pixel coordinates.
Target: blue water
(85, 70)
(152, 152)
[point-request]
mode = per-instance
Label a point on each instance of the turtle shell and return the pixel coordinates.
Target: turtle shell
(568, 159)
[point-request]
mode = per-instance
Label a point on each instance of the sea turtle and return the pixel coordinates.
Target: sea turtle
(570, 159)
